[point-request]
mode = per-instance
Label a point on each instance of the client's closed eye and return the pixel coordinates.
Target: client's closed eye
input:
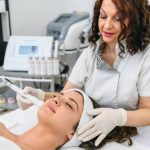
(69, 105)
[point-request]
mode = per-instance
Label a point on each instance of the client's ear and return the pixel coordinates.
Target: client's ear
(70, 135)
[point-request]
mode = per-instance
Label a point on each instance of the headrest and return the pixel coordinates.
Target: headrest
(74, 142)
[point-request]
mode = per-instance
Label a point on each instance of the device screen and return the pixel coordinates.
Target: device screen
(28, 49)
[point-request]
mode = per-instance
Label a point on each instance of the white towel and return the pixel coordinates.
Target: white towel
(6, 144)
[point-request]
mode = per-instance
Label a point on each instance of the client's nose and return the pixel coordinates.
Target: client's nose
(57, 100)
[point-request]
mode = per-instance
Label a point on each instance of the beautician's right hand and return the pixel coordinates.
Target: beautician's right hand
(24, 103)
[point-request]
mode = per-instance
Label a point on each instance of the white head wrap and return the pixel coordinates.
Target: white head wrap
(74, 142)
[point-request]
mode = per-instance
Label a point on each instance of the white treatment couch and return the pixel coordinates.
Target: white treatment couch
(19, 121)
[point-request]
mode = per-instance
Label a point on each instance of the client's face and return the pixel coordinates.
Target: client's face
(63, 112)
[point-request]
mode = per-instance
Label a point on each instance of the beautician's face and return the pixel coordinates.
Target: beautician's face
(62, 112)
(109, 24)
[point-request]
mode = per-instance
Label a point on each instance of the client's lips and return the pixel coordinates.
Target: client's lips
(51, 108)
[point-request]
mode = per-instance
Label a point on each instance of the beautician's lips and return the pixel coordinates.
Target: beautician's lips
(108, 34)
(51, 108)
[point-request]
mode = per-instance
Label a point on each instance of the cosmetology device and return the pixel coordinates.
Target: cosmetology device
(18, 90)
(19, 49)
(67, 29)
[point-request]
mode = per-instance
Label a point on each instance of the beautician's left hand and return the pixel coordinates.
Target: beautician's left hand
(102, 124)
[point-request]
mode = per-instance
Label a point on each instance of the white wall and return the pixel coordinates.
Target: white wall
(80, 5)
(30, 17)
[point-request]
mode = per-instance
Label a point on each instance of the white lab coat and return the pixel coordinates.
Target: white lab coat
(115, 89)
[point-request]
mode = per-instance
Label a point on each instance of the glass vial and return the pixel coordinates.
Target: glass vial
(37, 67)
(49, 65)
(30, 65)
(43, 66)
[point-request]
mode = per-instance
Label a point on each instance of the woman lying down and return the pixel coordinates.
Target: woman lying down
(58, 119)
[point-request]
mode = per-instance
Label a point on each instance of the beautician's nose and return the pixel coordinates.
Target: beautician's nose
(108, 23)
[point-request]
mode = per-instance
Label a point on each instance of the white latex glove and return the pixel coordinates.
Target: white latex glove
(106, 120)
(24, 103)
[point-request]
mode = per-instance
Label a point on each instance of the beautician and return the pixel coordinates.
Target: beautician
(115, 69)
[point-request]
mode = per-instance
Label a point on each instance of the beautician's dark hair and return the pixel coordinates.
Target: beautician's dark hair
(118, 134)
(137, 34)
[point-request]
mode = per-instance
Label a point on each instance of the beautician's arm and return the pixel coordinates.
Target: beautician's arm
(67, 86)
(140, 117)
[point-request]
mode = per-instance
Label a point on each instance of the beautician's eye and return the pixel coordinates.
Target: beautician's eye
(119, 17)
(103, 16)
